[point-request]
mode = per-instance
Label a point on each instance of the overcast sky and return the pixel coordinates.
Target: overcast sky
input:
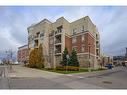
(111, 23)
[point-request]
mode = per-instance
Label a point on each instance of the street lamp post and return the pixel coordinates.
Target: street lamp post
(67, 56)
(89, 46)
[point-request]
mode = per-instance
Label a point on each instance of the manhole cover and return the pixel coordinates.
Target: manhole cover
(107, 82)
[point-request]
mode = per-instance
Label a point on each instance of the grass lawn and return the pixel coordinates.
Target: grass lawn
(71, 72)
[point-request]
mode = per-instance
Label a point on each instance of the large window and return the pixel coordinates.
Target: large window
(74, 31)
(83, 37)
(42, 35)
(74, 40)
(82, 28)
(83, 48)
(75, 48)
(51, 41)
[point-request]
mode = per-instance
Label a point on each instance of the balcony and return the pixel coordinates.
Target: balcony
(57, 53)
(58, 39)
(35, 45)
(58, 42)
(97, 53)
(57, 33)
(36, 37)
(57, 49)
(97, 38)
(97, 46)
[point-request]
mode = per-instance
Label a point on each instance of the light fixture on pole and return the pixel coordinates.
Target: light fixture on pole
(67, 56)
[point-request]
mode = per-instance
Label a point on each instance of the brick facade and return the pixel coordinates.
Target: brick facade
(68, 43)
(22, 54)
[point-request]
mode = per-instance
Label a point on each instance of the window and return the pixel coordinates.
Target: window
(37, 34)
(83, 38)
(42, 36)
(74, 31)
(74, 40)
(83, 48)
(82, 28)
(51, 41)
(75, 48)
(59, 29)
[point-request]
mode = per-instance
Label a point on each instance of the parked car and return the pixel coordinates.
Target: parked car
(109, 66)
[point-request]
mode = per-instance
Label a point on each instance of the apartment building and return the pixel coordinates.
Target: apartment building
(81, 35)
(22, 54)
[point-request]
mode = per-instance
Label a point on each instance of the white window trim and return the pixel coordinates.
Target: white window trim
(74, 39)
(83, 37)
(74, 47)
(83, 48)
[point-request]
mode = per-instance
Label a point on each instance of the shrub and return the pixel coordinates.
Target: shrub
(72, 68)
(68, 68)
(61, 68)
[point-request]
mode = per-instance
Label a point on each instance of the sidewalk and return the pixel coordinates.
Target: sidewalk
(96, 73)
(21, 71)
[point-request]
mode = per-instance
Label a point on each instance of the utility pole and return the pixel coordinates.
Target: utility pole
(67, 56)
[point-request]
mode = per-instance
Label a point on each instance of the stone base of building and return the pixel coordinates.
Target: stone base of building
(83, 59)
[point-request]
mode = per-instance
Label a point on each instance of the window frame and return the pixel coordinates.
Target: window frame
(74, 39)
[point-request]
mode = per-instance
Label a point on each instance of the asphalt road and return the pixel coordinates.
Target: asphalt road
(113, 79)
(4, 82)
(109, 79)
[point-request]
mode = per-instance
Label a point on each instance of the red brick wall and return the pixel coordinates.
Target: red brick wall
(88, 39)
(22, 55)
(68, 43)
(79, 43)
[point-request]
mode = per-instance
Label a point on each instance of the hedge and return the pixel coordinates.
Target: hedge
(69, 68)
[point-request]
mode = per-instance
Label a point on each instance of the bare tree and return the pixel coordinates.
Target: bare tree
(9, 59)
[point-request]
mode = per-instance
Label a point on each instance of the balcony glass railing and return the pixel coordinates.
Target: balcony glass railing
(36, 37)
(98, 46)
(97, 38)
(57, 51)
(57, 41)
(35, 46)
(58, 31)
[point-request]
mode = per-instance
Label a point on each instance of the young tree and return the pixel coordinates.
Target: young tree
(64, 57)
(40, 59)
(73, 59)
